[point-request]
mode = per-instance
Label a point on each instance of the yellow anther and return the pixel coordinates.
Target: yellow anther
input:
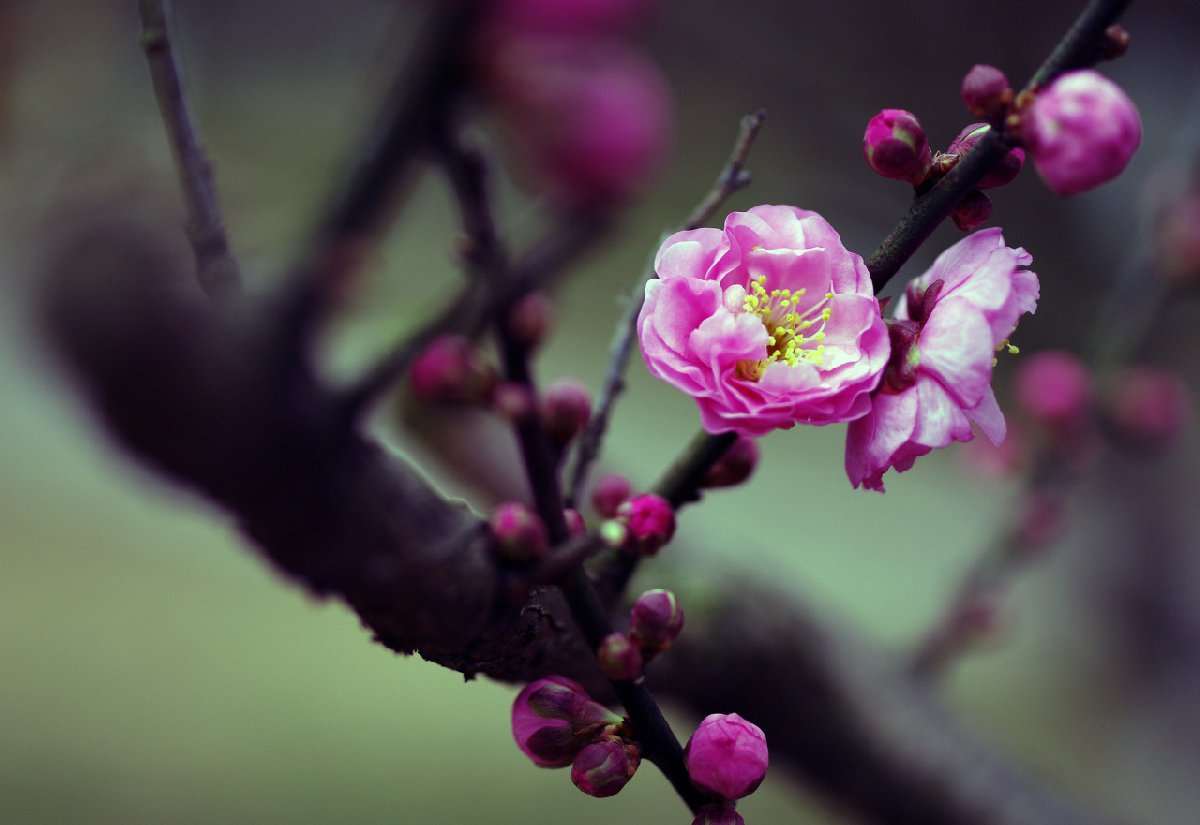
(820, 336)
(1013, 350)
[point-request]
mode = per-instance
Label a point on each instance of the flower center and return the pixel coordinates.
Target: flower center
(793, 334)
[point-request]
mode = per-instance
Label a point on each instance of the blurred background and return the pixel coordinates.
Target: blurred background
(152, 669)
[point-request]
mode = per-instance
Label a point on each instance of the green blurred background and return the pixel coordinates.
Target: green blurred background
(152, 669)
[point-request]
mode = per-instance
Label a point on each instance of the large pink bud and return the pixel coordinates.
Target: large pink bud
(727, 756)
(1082, 131)
(895, 146)
(554, 718)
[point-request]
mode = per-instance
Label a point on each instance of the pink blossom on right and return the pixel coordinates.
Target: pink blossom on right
(727, 756)
(948, 325)
(1082, 131)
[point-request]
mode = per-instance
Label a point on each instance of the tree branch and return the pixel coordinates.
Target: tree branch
(216, 268)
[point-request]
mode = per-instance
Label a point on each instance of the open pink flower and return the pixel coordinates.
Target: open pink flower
(948, 325)
(767, 323)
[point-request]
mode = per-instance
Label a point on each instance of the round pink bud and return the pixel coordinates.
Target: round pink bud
(650, 521)
(972, 211)
(718, 814)
(655, 620)
(451, 370)
(566, 407)
(554, 718)
(611, 491)
(530, 318)
(1054, 388)
(895, 146)
(576, 526)
(603, 768)
(518, 533)
(735, 466)
(620, 659)
(1082, 131)
(985, 91)
(1005, 170)
(727, 756)
(567, 16)
(1150, 407)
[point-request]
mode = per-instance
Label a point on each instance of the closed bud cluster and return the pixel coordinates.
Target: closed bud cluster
(727, 756)
(451, 371)
(603, 768)
(1082, 131)
(972, 211)
(735, 466)
(896, 147)
(620, 659)
(565, 409)
(611, 491)
(1005, 170)
(718, 814)
(553, 719)
(986, 92)
(655, 620)
(518, 534)
(650, 523)
(1149, 408)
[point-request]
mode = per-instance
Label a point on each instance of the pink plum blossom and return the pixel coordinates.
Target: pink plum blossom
(949, 324)
(767, 323)
(1082, 131)
(727, 756)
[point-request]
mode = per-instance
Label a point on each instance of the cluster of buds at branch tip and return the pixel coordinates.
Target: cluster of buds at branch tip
(735, 466)
(727, 756)
(555, 723)
(452, 371)
(655, 621)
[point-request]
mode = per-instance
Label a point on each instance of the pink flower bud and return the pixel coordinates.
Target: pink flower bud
(554, 718)
(655, 620)
(566, 407)
(576, 526)
(611, 491)
(1082, 131)
(530, 318)
(620, 659)
(985, 91)
(1054, 389)
(451, 370)
(718, 814)
(1150, 407)
(605, 767)
(972, 211)
(735, 466)
(518, 533)
(1005, 170)
(727, 756)
(650, 522)
(895, 146)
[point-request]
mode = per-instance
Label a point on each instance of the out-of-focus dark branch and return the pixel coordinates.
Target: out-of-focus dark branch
(216, 268)
(1077, 49)
(732, 178)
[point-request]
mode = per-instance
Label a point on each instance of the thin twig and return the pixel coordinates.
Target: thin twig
(732, 178)
(216, 268)
(1077, 49)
